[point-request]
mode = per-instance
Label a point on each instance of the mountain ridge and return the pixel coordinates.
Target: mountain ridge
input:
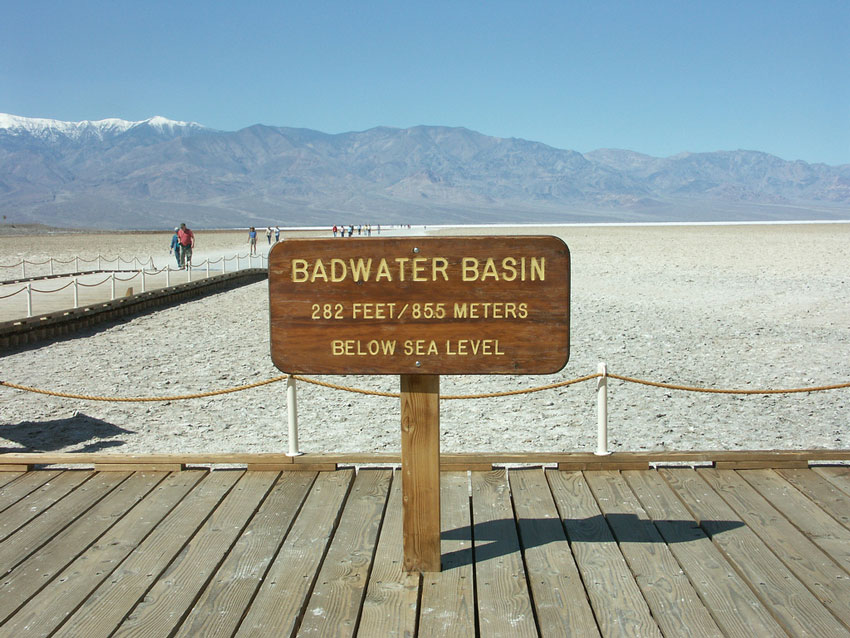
(119, 174)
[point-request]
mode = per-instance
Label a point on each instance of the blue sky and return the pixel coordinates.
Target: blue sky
(655, 77)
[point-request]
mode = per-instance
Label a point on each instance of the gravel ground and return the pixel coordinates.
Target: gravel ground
(738, 306)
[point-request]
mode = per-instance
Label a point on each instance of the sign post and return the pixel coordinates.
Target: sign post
(419, 308)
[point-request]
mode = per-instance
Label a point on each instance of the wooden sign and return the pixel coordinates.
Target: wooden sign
(426, 305)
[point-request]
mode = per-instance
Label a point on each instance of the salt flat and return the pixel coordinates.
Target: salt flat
(740, 306)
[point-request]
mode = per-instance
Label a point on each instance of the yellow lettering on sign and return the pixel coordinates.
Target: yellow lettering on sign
(474, 347)
(530, 269)
(418, 269)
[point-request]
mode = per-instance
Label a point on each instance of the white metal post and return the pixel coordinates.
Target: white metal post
(29, 300)
(189, 269)
(100, 262)
(76, 263)
(223, 264)
(238, 267)
(602, 411)
(51, 265)
(292, 414)
(112, 279)
(208, 267)
(168, 276)
(144, 283)
(76, 293)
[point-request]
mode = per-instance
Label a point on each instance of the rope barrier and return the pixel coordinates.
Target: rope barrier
(198, 395)
(396, 395)
(70, 283)
(11, 265)
(130, 278)
(671, 386)
(13, 293)
(98, 283)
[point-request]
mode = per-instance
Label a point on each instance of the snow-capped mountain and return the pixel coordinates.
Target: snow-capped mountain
(149, 174)
(54, 130)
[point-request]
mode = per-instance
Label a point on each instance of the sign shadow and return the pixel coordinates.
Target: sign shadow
(89, 433)
(505, 536)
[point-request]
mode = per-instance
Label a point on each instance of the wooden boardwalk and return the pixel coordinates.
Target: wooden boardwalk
(526, 552)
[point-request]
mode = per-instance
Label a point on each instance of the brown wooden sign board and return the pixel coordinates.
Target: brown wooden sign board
(426, 305)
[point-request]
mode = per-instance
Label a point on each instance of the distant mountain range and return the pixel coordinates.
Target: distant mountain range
(158, 172)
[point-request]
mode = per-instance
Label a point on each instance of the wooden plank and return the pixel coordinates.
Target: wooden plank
(38, 570)
(818, 526)
(279, 603)
(464, 467)
(811, 565)
(675, 605)
(292, 467)
(787, 599)
(334, 606)
(25, 459)
(737, 611)
(838, 476)
(89, 458)
(390, 606)
(7, 475)
(15, 490)
(448, 597)
(616, 599)
(28, 539)
(597, 465)
(823, 493)
(504, 604)
(171, 598)
(562, 608)
(43, 613)
(420, 468)
(225, 600)
(755, 464)
(109, 604)
(39, 501)
(138, 467)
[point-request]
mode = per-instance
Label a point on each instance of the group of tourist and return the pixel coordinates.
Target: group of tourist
(252, 237)
(348, 231)
(182, 244)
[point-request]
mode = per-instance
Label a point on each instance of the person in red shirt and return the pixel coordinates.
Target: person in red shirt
(187, 242)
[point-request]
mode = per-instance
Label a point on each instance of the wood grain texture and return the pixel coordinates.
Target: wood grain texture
(420, 468)
(105, 609)
(56, 602)
(561, 606)
(675, 605)
(172, 596)
(53, 557)
(504, 604)
(39, 501)
(735, 608)
(808, 517)
(279, 604)
(811, 565)
(448, 596)
(225, 600)
(41, 529)
(796, 609)
(334, 606)
(307, 316)
(616, 599)
(390, 607)
(821, 492)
